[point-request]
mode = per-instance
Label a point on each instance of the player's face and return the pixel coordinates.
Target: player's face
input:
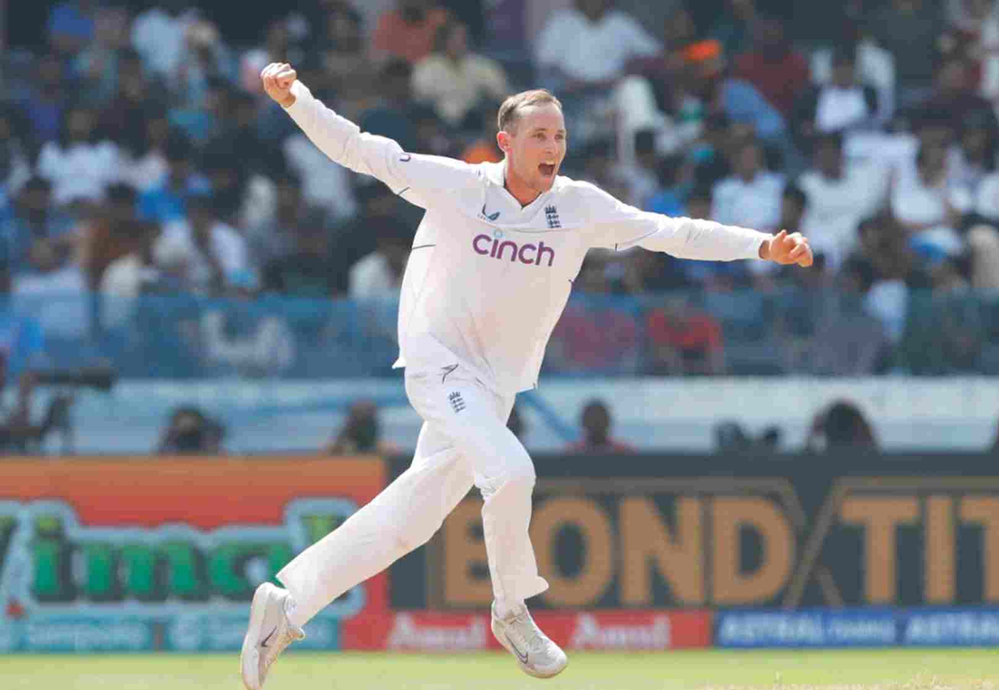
(536, 149)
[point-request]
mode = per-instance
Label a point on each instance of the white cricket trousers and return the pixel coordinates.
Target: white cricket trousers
(464, 442)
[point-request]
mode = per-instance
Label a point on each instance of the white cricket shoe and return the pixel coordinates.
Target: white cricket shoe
(269, 633)
(536, 654)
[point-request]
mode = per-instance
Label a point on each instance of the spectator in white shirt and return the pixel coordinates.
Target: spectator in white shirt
(973, 157)
(378, 276)
(875, 66)
(455, 81)
(159, 34)
(79, 164)
(201, 249)
(590, 44)
(842, 105)
(840, 196)
(53, 291)
(752, 196)
(926, 202)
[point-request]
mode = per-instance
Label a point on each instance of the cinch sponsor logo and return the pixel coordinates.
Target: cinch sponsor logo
(498, 248)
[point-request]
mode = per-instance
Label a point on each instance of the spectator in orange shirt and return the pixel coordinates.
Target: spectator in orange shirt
(409, 31)
(683, 341)
(596, 422)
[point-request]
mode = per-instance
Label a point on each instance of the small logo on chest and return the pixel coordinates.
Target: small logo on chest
(551, 215)
(457, 403)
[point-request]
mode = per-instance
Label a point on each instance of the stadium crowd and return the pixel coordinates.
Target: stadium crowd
(141, 163)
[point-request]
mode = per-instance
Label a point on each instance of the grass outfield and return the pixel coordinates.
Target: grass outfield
(853, 670)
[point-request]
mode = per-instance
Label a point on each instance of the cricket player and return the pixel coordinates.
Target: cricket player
(489, 273)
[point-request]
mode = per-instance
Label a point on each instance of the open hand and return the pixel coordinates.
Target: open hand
(784, 248)
(278, 78)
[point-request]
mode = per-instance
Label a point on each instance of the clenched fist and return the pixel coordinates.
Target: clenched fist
(787, 249)
(278, 78)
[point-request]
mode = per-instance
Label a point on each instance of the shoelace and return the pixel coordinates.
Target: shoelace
(535, 641)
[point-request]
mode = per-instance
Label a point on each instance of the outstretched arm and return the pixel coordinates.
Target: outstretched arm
(412, 176)
(621, 226)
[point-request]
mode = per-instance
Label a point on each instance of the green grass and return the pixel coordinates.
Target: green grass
(853, 670)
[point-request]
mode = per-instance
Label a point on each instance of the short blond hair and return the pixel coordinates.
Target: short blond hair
(509, 112)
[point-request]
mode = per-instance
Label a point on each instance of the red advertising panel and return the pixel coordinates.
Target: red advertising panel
(433, 631)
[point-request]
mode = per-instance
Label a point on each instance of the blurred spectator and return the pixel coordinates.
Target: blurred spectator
(885, 245)
(642, 175)
(310, 269)
(456, 81)
(926, 202)
(159, 34)
(71, 26)
(348, 71)
(190, 431)
(598, 332)
(600, 169)
(839, 195)
(34, 220)
(206, 59)
(874, 66)
(166, 201)
(240, 336)
(733, 26)
(378, 276)
(134, 101)
(15, 165)
(841, 426)
(910, 30)
(228, 174)
(52, 288)
(46, 98)
(110, 234)
(772, 65)
(131, 275)
(848, 341)
(730, 437)
(485, 149)
(361, 433)
(271, 237)
(97, 65)
(983, 245)
(145, 164)
(751, 197)
(596, 422)
(589, 46)
(952, 97)
(382, 213)
(202, 250)
(392, 117)
(682, 340)
(974, 30)
(408, 31)
(841, 105)
(973, 158)
(80, 164)
(22, 354)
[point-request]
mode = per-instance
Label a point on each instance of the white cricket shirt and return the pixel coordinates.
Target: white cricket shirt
(488, 279)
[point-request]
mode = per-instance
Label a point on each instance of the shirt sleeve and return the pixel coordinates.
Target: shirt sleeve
(621, 227)
(415, 177)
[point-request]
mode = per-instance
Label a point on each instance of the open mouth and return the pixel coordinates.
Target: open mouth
(547, 169)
